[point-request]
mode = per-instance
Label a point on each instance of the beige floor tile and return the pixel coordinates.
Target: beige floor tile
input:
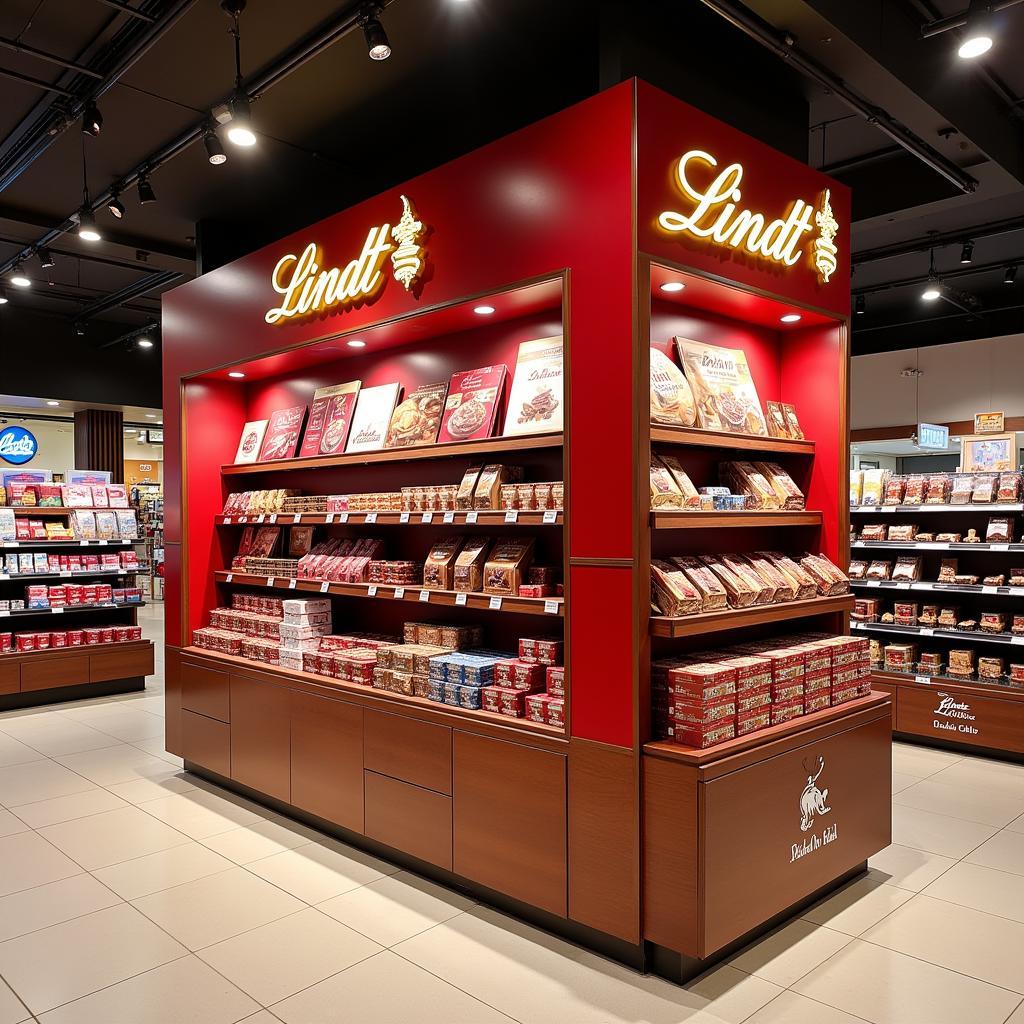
(114, 764)
(129, 726)
(1005, 851)
(386, 990)
(906, 867)
(13, 751)
(64, 808)
(921, 761)
(791, 1008)
(263, 1017)
(1017, 1017)
(960, 939)
(937, 833)
(155, 746)
(396, 907)
(12, 1009)
(536, 978)
(981, 888)
(200, 814)
(67, 961)
(989, 775)
(10, 824)
(112, 837)
(140, 791)
(886, 987)
(858, 906)
(55, 735)
(1017, 825)
(901, 781)
(982, 804)
(184, 990)
(44, 905)
(147, 701)
(316, 872)
(789, 953)
(279, 959)
(28, 860)
(142, 876)
(256, 841)
(214, 908)
(42, 780)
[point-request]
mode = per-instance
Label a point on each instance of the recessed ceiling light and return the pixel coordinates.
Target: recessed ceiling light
(356, 343)
(52, 403)
(483, 310)
(673, 286)
(791, 318)
(236, 374)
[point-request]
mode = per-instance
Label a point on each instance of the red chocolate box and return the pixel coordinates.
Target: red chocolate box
(472, 404)
(282, 437)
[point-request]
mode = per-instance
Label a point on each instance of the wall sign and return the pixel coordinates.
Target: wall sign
(17, 445)
(308, 288)
(717, 215)
(988, 423)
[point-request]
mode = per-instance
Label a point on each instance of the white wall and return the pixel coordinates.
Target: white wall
(958, 381)
(56, 445)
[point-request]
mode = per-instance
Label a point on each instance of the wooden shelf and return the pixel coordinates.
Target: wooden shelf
(470, 449)
(63, 510)
(713, 439)
(982, 688)
(480, 518)
(63, 652)
(385, 591)
(934, 545)
(938, 632)
(21, 545)
(740, 618)
(693, 520)
(991, 506)
(979, 589)
(71, 609)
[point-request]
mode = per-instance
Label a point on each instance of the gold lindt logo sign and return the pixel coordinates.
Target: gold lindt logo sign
(717, 216)
(308, 288)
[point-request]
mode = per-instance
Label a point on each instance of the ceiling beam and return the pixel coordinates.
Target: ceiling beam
(966, 270)
(144, 285)
(49, 58)
(939, 239)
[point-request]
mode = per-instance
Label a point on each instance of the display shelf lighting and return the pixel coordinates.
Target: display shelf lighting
(92, 119)
(790, 318)
(977, 38)
(214, 150)
(46, 260)
(237, 374)
(673, 286)
(933, 287)
(3, 298)
(52, 404)
(145, 190)
(860, 305)
(377, 44)
(240, 131)
(967, 253)
(144, 342)
(1011, 274)
(484, 310)
(356, 343)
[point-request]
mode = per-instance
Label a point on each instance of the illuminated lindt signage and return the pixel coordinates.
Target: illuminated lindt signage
(718, 216)
(308, 288)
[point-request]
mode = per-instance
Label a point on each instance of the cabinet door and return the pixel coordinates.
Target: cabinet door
(509, 819)
(260, 742)
(327, 759)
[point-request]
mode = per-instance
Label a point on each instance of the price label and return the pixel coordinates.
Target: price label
(404, 517)
(7, 575)
(261, 518)
(230, 576)
(17, 544)
(57, 611)
(329, 518)
(550, 607)
(495, 604)
(5, 612)
(64, 572)
(1000, 547)
(272, 518)
(271, 581)
(471, 518)
(874, 583)
(927, 631)
(1017, 639)
(324, 587)
(923, 679)
(448, 517)
(102, 543)
(902, 586)
(243, 519)
(399, 593)
(297, 518)
(427, 517)
(550, 516)
(425, 596)
(460, 598)
(371, 590)
(371, 517)
(292, 584)
(512, 515)
(884, 508)
(120, 572)
(227, 520)
(990, 590)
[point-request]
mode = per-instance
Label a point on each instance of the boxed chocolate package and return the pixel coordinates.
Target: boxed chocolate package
(417, 419)
(506, 566)
(487, 493)
(723, 388)
(671, 591)
(439, 568)
(282, 434)
(712, 593)
(702, 681)
(472, 403)
(535, 404)
(671, 397)
(469, 564)
(372, 416)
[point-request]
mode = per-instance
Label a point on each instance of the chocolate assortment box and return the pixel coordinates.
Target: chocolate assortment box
(723, 388)
(535, 400)
(471, 407)
(282, 436)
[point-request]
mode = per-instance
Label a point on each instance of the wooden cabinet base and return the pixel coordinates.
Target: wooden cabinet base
(78, 691)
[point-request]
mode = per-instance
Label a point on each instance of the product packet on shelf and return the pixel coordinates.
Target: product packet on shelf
(671, 398)
(895, 488)
(1009, 488)
(784, 587)
(330, 419)
(665, 492)
(417, 419)
(712, 593)
(8, 526)
(790, 497)
(691, 497)
(671, 592)
(127, 526)
(372, 416)
(487, 492)
(741, 593)
(776, 418)
(117, 495)
(806, 586)
(250, 441)
(874, 486)
(962, 489)
(747, 478)
(829, 578)
(939, 487)
(741, 568)
(282, 436)
(76, 495)
(907, 569)
(49, 495)
(439, 568)
(85, 524)
(100, 498)
(723, 388)
(472, 404)
(535, 400)
(506, 565)
(856, 486)
(915, 489)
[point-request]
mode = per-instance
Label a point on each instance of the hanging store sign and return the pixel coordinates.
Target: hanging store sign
(307, 288)
(17, 445)
(932, 435)
(717, 216)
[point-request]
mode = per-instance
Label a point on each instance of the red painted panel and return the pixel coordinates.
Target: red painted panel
(172, 596)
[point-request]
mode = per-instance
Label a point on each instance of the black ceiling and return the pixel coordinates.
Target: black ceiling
(338, 127)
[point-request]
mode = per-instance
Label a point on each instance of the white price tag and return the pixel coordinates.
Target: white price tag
(297, 517)
(923, 679)
(371, 590)
(927, 631)
(404, 517)
(471, 518)
(292, 584)
(874, 583)
(371, 517)
(460, 598)
(999, 547)
(448, 517)
(399, 593)
(230, 577)
(57, 611)
(512, 515)
(885, 508)
(324, 587)
(425, 596)
(17, 544)
(5, 611)
(120, 572)
(63, 572)
(494, 604)
(329, 518)
(990, 590)
(1017, 639)
(272, 518)
(7, 575)
(902, 586)
(227, 520)
(102, 543)
(550, 607)
(271, 581)
(550, 516)
(427, 517)
(261, 518)
(243, 519)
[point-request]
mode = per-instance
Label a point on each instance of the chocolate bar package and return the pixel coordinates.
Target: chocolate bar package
(372, 416)
(417, 418)
(282, 436)
(671, 591)
(723, 388)
(671, 397)
(330, 417)
(665, 492)
(691, 497)
(472, 404)
(713, 594)
(251, 441)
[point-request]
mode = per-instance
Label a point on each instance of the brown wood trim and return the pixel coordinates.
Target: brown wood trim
(687, 520)
(484, 517)
(739, 618)
(55, 653)
(605, 563)
(940, 683)
(409, 818)
(419, 753)
(902, 431)
(691, 436)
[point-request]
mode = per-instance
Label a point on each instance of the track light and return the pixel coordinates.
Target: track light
(240, 127)
(146, 193)
(46, 260)
(933, 289)
(859, 305)
(87, 229)
(115, 206)
(214, 150)
(80, 330)
(377, 44)
(92, 119)
(19, 278)
(977, 37)
(967, 253)
(1011, 275)
(144, 343)
(3, 298)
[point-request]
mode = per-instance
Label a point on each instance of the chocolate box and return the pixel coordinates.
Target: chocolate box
(702, 681)
(506, 565)
(469, 565)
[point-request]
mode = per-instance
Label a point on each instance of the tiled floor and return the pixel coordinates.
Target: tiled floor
(133, 893)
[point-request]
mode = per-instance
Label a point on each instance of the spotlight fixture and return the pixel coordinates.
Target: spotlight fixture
(977, 37)
(80, 330)
(377, 44)
(1011, 275)
(673, 286)
(146, 193)
(859, 305)
(356, 343)
(237, 374)
(87, 229)
(52, 404)
(483, 310)
(3, 299)
(92, 119)
(144, 343)
(19, 278)
(967, 253)
(790, 318)
(933, 289)
(115, 206)
(214, 150)
(240, 131)
(46, 260)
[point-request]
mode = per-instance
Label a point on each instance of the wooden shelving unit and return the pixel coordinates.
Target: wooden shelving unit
(738, 618)
(685, 520)
(492, 518)
(22, 545)
(71, 609)
(714, 439)
(913, 509)
(980, 589)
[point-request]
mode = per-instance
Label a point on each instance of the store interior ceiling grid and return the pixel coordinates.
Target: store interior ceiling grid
(341, 127)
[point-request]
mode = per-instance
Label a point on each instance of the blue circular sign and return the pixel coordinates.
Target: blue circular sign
(17, 445)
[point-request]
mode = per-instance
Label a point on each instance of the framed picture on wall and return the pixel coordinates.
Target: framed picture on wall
(992, 453)
(988, 423)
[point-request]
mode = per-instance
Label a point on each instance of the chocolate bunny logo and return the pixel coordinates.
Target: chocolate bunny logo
(812, 799)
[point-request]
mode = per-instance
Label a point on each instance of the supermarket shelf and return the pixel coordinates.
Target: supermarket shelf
(428, 710)
(553, 606)
(481, 518)
(63, 510)
(953, 588)
(58, 652)
(693, 520)
(739, 618)
(1001, 688)
(71, 609)
(934, 545)
(471, 449)
(713, 439)
(22, 545)
(938, 632)
(979, 507)
(13, 577)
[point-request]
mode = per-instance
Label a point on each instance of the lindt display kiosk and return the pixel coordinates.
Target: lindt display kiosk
(576, 817)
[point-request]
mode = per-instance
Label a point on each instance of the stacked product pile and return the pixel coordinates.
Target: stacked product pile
(76, 595)
(745, 486)
(20, 643)
(40, 563)
(882, 487)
